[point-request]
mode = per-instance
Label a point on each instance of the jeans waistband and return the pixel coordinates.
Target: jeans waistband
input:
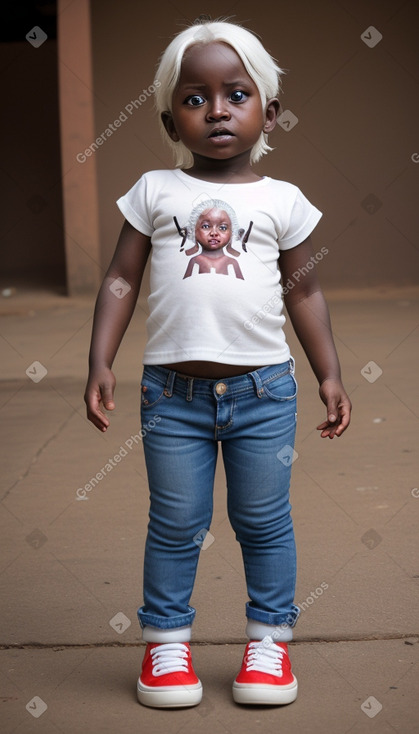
(176, 382)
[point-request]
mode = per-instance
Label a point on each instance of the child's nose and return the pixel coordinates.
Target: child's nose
(218, 109)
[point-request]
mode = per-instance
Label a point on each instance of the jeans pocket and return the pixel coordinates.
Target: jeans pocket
(151, 393)
(282, 388)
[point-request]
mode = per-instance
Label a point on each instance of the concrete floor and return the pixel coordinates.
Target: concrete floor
(70, 574)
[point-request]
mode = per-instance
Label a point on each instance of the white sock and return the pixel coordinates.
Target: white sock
(156, 634)
(258, 631)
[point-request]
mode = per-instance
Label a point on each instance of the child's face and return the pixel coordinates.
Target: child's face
(213, 229)
(216, 108)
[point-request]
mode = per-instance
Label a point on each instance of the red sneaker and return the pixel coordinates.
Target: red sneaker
(167, 678)
(265, 676)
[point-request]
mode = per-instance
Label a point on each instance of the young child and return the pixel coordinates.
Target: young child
(217, 367)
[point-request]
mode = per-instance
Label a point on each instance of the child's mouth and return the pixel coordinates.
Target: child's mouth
(221, 133)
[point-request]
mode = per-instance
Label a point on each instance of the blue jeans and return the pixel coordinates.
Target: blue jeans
(254, 418)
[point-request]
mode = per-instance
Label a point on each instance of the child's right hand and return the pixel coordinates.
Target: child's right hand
(99, 390)
(112, 316)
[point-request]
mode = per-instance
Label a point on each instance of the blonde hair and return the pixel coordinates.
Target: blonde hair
(259, 64)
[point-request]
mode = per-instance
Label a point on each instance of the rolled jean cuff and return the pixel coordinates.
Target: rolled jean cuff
(273, 618)
(165, 623)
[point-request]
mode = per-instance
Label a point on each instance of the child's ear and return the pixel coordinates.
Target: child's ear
(169, 126)
(271, 113)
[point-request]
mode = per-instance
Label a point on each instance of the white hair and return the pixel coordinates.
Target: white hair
(205, 206)
(259, 64)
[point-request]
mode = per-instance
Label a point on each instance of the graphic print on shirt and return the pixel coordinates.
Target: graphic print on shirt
(213, 226)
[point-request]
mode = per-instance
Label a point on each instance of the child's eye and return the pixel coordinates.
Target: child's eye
(238, 96)
(195, 100)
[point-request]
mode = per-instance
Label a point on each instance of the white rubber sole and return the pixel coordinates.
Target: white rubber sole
(260, 694)
(169, 696)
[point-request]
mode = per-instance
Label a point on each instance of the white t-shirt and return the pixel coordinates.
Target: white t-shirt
(215, 285)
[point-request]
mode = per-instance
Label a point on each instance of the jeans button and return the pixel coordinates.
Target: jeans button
(220, 388)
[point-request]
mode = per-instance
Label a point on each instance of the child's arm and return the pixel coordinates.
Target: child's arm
(309, 316)
(112, 315)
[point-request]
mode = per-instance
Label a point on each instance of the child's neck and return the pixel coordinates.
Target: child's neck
(232, 170)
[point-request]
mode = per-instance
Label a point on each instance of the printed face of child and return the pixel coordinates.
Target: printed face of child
(213, 229)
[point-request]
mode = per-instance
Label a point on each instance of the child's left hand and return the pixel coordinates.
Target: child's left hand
(338, 406)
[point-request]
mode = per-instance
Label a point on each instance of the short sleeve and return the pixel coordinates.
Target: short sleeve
(134, 206)
(303, 219)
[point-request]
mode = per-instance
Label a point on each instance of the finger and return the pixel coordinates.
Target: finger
(332, 410)
(345, 420)
(327, 425)
(328, 430)
(325, 431)
(322, 425)
(98, 419)
(328, 433)
(107, 397)
(94, 413)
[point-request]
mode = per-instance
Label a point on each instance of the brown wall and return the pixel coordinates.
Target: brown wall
(357, 109)
(31, 227)
(351, 151)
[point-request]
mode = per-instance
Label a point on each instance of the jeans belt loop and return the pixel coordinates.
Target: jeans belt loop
(258, 383)
(292, 365)
(189, 389)
(168, 389)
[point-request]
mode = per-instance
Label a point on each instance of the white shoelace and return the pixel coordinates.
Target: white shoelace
(265, 656)
(169, 658)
